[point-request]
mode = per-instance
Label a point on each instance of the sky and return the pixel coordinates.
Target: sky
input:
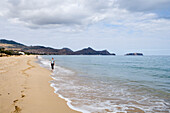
(120, 26)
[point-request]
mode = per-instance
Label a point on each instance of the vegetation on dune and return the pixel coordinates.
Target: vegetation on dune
(8, 52)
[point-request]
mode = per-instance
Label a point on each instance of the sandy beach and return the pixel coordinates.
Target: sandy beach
(25, 88)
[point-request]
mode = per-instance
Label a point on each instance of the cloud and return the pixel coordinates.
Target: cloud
(159, 7)
(127, 17)
(77, 14)
(144, 5)
(50, 13)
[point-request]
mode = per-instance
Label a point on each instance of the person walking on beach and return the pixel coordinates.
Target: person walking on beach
(52, 63)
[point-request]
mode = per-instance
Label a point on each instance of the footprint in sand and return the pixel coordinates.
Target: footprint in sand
(22, 96)
(17, 109)
(15, 101)
(26, 88)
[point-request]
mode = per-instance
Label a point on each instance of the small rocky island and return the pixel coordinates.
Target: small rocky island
(134, 54)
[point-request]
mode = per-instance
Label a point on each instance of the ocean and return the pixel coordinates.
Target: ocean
(112, 84)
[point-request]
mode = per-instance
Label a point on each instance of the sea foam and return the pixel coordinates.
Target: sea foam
(88, 93)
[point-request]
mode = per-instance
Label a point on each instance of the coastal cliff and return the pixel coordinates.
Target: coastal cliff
(42, 50)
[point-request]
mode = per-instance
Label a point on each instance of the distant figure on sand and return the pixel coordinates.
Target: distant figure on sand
(52, 63)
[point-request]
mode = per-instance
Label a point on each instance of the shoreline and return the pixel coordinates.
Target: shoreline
(98, 94)
(25, 87)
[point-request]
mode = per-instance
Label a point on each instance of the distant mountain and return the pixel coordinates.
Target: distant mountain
(65, 51)
(47, 50)
(12, 45)
(134, 54)
(4, 41)
(90, 51)
(40, 50)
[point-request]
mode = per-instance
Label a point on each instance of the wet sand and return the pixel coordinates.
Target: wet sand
(25, 88)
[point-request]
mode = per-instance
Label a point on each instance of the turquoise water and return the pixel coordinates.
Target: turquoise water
(113, 83)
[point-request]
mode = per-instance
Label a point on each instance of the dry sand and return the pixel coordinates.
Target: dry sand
(25, 88)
